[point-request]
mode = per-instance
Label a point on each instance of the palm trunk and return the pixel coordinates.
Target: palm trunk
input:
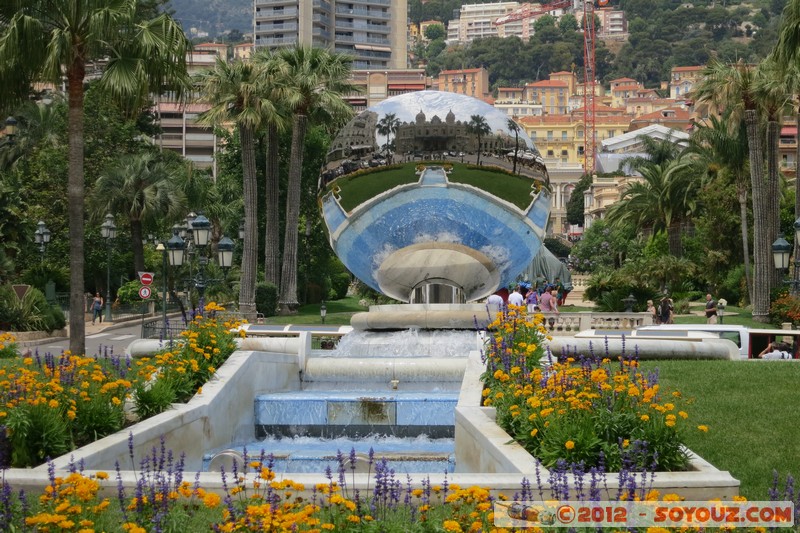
(136, 245)
(75, 197)
(272, 238)
(762, 240)
(479, 150)
(674, 239)
(516, 151)
(773, 189)
(288, 299)
(741, 189)
(247, 286)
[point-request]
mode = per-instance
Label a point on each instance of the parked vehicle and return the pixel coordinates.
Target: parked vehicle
(750, 341)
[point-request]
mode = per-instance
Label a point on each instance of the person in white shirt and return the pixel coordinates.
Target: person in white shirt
(515, 298)
(775, 350)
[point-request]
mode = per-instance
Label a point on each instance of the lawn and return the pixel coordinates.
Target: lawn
(354, 190)
(749, 408)
(338, 312)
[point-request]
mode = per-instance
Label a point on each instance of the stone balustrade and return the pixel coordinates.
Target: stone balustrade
(568, 324)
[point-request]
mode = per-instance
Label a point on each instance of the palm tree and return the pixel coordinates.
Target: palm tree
(142, 188)
(731, 86)
(661, 202)
(388, 125)
(514, 127)
(38, 124)
(723, 151)
(52, 40)
(236, 94)
(272, 239)
(315, 81)
(478, 126)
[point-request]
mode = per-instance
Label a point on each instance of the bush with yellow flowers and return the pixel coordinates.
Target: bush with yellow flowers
(52, 404)
(176, 374)
(582, 409)
(8, 345)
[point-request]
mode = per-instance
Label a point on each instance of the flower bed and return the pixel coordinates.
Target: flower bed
(53, 404)
(582, 410)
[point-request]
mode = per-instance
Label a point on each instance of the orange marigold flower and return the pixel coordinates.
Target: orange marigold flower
(569, 445)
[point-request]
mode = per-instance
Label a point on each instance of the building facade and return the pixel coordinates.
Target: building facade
(477, 21)
(374, 32)
(469, 81)
(377, 85)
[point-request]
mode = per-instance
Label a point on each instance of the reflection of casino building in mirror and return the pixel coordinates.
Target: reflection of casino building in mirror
(356, 137)
(435, 135)
(426, 231)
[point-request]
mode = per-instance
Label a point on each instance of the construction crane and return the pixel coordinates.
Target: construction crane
(589, 131)
(531, 10)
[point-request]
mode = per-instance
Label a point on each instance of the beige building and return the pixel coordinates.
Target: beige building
(682, 80)
(613, 24)
(470, 81)
(374, 32)
(376, 86)
(181, 133)
(477, 21)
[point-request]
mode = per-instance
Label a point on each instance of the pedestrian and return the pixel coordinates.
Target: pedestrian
(515, 298)
(651, 308)
(532, 300)
(97, 308)
(711, 310)
(665, 310)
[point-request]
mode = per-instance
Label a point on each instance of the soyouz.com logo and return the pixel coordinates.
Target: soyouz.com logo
(643, 514)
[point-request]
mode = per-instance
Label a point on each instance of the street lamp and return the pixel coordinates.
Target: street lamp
(172, 252)
(201, 232)
(781, 250)
(108, 230)
(11, 128)
(42, 237)
(225, 254)
(323, 311)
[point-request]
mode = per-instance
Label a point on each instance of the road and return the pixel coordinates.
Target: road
(100, 339)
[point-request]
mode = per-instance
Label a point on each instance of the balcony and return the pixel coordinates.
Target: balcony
(275, 3)
(277, 28)
(272, 14)
(368, 13)
(363, 26)
(357, 39)
(276, 41)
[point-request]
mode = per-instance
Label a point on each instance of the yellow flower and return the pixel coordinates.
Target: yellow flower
(569, 445)
(451, 525)
(645, 418)
(211, 500)
(703, 428)
(534, 431)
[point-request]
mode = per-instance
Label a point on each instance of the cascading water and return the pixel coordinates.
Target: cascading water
(411, 342)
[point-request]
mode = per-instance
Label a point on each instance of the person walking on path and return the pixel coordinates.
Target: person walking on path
(97, 308)
(711, 310)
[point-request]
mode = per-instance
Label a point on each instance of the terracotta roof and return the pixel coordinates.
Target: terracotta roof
(509, 89)
(622, 79)
(627, 88)
(210, 45)
(561, 73)
(547, 83)
(677, 114)
(573, 120)
(687, 69)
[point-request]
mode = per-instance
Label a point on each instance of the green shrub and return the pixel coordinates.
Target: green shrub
(38, 432)
(267, 299)
(32, 312)
(339, 284)
(153, 398)
(129, 293)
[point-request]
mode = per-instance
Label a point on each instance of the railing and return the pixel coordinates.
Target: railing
(564, 324)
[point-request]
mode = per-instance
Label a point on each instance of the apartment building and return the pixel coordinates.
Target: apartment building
(374, 32)
(470, 81)
(682, 80)
(477, 21)
(613, 24)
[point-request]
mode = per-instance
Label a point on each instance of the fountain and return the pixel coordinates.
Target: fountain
(405, 382)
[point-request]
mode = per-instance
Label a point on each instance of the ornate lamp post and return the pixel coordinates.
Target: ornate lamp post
(172, 252)
(108, 230)
(42, 237)
(781, 250)
(201, 231)
(225, 254)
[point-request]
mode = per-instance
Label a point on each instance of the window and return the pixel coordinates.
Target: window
(550, 153)
(564, 153)
(550, 135)
(563, 135)
(580, 151)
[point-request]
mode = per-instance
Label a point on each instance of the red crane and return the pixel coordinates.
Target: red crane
(589, 131)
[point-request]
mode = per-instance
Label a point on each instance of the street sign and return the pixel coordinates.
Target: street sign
(145, 292)
(146, 278)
